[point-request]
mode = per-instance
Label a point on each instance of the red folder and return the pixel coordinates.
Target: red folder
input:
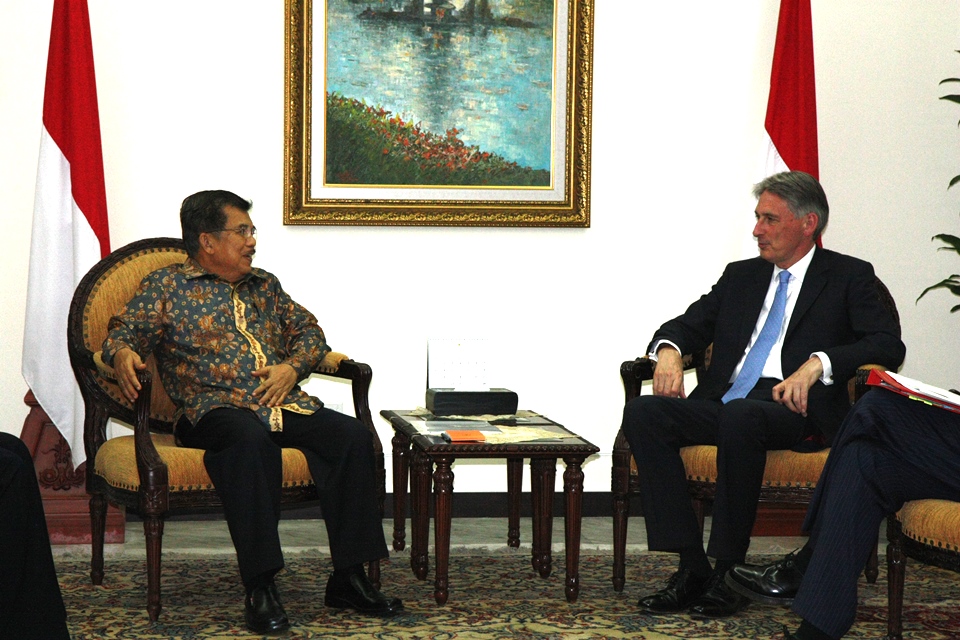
(915, 390)
(463, 436)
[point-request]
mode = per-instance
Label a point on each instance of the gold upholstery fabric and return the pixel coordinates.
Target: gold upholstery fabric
(116, 463)
(784, 468)
(935, 523)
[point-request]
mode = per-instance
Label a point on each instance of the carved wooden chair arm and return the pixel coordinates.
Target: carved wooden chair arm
(360, 374)
(858, 383)
(151, 468)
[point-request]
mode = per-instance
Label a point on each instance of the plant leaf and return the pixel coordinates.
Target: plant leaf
(951, 240)
(951, 97)
(952, 284)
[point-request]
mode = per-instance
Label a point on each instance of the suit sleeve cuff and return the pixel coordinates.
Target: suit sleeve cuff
(827, 376)
(659, 343)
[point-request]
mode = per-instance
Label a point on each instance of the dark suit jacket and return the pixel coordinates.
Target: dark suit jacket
(838, 311)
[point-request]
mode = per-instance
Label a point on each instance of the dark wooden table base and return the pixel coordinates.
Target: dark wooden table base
(423, 466)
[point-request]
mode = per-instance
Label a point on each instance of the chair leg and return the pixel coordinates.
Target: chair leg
(895, 578)
(621, 515)
(153, 531)
(98, 525)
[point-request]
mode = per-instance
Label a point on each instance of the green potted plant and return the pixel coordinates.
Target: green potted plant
(952, 242)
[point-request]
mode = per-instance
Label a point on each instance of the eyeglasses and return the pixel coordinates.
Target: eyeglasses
(243, 230)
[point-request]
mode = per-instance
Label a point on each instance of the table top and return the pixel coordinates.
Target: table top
(527, 433)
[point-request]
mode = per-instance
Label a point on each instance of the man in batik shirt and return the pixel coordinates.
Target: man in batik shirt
(231, 346)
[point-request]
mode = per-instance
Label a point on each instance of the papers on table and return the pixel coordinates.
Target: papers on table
(523, 427)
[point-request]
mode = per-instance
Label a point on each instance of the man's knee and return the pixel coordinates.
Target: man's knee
(15, 460)
(13, 444)
(253, 442)
(356, 432)
(645, 412)
(740, 421)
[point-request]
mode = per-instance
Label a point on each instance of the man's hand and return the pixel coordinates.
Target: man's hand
(792, 392)
(276, 381)
(668, 375)
(126, 363)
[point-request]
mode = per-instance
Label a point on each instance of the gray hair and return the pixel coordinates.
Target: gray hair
(802, 193)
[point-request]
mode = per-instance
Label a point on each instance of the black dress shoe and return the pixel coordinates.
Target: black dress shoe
(354, 591)
(718, 600)
(775, 583)
(682, 589)
(263, 612)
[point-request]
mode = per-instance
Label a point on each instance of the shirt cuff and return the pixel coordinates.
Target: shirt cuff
(827, 377)
(656, 345)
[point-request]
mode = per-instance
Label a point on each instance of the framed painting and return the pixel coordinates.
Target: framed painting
(438, 112)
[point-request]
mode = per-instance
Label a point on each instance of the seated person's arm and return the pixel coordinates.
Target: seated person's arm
(793, 391)
(305, 346)
(131, 331)
(668, 374)
(126, 363)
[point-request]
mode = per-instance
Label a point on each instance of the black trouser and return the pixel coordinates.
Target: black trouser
(31, 607)
(889, 450)
(244, 461)
(742, 430)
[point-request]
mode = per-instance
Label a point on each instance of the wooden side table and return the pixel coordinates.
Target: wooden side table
(421, 456)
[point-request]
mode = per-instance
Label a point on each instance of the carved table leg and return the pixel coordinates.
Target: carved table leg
(401, 463)
(514, 485)
(543, 473)
(442, 495)
(573, 492)
(420, 516)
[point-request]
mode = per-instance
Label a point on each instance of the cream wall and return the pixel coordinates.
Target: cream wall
(191, 97)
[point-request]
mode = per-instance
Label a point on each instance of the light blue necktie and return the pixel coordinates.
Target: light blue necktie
(753, 365)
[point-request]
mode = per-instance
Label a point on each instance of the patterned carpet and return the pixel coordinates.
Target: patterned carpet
(491, 596)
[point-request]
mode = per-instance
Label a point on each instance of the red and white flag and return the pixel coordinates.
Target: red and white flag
(70, 231)
(791, 123)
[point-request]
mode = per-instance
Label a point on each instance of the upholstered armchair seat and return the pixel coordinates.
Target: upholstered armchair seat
(785, 468)
(932, 523)
(927, 531)
(116, 465)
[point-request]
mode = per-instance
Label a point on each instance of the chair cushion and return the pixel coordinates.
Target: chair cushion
(935, 523)
(116, 463)
(784, 468)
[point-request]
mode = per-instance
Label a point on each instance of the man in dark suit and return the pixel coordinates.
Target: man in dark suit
(788, 329)
(889, 450)
(31, 607)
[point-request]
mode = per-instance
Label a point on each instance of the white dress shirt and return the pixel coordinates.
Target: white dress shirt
(773, 367)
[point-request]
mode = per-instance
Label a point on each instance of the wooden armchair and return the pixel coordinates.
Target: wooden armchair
(789, 478)
(147, 472)
(925, 530)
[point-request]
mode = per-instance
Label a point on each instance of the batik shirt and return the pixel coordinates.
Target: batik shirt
(209, 335)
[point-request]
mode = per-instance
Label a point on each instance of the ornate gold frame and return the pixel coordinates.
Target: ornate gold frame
(570, 209)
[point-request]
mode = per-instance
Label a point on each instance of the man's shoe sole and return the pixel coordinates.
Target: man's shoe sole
(336, 603)
(753, 595)
(270, 630)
